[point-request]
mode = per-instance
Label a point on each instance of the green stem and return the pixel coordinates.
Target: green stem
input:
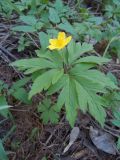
(112, 40)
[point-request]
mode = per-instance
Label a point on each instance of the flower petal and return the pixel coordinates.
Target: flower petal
(51, 47)
(61, 35)
(68, 39)
(53, 41)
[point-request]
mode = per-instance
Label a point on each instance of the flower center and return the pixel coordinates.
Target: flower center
(60, 43)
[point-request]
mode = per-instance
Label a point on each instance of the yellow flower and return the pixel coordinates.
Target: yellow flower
(60, 42)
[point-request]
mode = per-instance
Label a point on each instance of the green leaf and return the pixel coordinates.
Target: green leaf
(22, 95)
(52, 32)
(4, 107)
(3, 155)
(82, 67)
(96, 20)
(117, 2)
(4, 112)
(67, 27)
(43, 82)
(58, 85)
(31, 70)
(36, 63)
(117, 114)
(71, 103)
(39, 25)
(53, 16)
(55, 57)
(68, 96)
(93, 76)
(105, 81)
(24, 28)
(112, 77)
(87, 99)
(30, 19)
(57, 76)
(20, 83)
(34, 133)
(118, 143)
(93, 59)
(96, 109)
(75, 50)
(58, 5)
(12, 5)
(48, 113)
(44, 158)
(62, 97)
(82, 93)
(53, 116)
(45, 117)
(44, 40)
(116, 122)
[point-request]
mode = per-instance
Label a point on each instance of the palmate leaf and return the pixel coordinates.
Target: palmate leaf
(57, 76)
(34, 64)
(20, 83)
(75, 94)
(57, 86)
(81, 88)
(93, 101)
(71, 103)
(82, 95)
(53, 57)
(93, 59)
(22, 95)
(92, 75)
(75, 50)
(68, 97)
(76, 80)
(48, 112)
(45, 80)
(96, 109)
(88, 85)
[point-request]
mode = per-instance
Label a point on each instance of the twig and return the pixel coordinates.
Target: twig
(112, 129)
(32, 40)
(49, 138)
(4, 39)
(4, 50)
(19, 110)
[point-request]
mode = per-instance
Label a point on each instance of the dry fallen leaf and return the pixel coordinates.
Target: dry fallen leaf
(73, 136)
(103, 141)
